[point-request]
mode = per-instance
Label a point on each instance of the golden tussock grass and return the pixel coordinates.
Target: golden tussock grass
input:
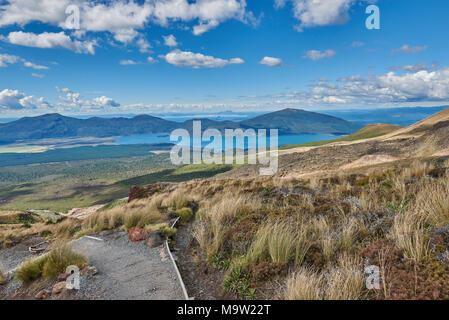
(343, 282)
(51, 265)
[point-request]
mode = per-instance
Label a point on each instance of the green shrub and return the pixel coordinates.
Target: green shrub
(168, 232)
(185, 215)
(237, 281)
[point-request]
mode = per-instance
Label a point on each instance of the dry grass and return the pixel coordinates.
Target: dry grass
(218, 216)
(50, 265)
(344, 282)
(305, 284)
(280, 243)
(409, 233)
(432, 203)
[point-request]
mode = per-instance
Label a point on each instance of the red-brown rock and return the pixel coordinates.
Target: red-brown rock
(137, 234)
(43, 294)
(63, 277)
(59, 287)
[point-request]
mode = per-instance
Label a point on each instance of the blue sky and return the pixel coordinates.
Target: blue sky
(160, 56)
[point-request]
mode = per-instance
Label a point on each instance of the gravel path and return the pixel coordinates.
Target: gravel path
(127, 270)
(10, 258)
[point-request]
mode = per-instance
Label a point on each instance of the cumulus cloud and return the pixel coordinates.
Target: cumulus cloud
(271, 62)
(408, 50)
(6, 59)
(421, 86)
(105, 102)
(50, 40)
(197, 60)
(312, 13)
(316, 55)
(170, 41)
(415, 68)
(125, 18)
(73, 102)
(151, 60)
(16, 100)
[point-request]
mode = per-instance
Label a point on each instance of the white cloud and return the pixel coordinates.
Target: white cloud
(6, 59)
(38, 75)
(105, 102)
(170, 41)
(16, 100)
(143, 45)
(50, 40)
(421, 86)
(197, 60)
(408, 50)
(73, 102)
(316, 55)
(312, 13)
(271, 62)
(151, 60)
(415, 68)
(125, 18)
(34, 66)
(127, 62)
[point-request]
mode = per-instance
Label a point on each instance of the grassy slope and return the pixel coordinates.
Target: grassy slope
(371, 131)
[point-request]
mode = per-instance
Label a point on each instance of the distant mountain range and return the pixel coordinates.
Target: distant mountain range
(288, 121)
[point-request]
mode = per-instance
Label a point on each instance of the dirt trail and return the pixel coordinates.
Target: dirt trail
(127, 270)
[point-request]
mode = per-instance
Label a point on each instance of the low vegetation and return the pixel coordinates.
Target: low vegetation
(314, 236)
(50, 265)
(2, 276)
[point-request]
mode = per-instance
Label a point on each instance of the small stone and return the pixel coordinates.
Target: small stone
(155, 239)
(63, 277)
(43, 294)
(91, 270)
(137, 234)
(59, 287)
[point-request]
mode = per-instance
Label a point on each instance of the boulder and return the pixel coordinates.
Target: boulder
(43, 294)
(155, 239)
(137, 234)
(59, 287)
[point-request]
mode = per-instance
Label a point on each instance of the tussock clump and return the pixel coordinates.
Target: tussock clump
(305, 284)
(50, 265)
(59, 259)
(185, 214)
(344, 282)
(280, 243)
(409, 233)
(432, 203)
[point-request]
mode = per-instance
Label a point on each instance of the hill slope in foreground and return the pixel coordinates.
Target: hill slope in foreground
(308, 231)
(58, 126)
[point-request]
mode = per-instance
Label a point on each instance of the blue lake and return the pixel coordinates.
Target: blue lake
(163, 138)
